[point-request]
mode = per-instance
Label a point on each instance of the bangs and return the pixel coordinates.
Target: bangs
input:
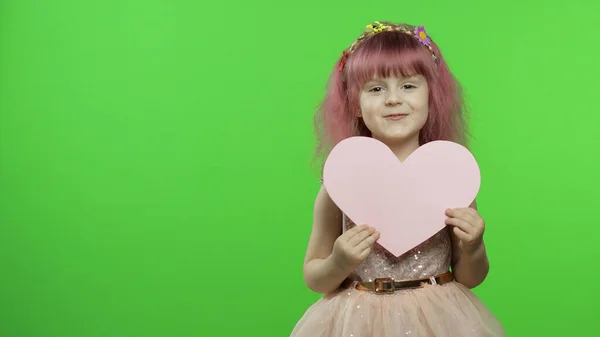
(389, 54)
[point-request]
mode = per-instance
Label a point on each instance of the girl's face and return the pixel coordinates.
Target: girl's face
(395, 108)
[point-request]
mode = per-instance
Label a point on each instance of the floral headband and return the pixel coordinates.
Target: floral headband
(376, 27)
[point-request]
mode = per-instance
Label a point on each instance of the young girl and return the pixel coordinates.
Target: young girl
(392, 84)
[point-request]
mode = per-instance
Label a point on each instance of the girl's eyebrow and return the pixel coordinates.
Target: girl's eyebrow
(382, 79)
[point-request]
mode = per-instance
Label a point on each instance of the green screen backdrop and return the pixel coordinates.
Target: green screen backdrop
(155, 175)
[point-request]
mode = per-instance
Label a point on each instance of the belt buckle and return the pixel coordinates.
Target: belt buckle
(384, 285)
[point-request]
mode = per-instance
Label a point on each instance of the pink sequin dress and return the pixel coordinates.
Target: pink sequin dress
(449, 309)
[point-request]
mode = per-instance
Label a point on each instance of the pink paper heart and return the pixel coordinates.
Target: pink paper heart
(404, 201)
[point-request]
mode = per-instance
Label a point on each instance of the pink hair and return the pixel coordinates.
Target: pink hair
(386, 54)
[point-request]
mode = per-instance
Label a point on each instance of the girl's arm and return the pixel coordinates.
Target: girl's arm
(470, 263)
(321, 272)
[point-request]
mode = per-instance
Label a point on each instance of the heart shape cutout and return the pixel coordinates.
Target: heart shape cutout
(405, 201)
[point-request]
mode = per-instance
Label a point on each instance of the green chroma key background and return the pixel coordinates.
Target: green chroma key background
(155, 174)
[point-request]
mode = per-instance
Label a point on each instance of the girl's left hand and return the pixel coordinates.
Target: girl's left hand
(468, 227)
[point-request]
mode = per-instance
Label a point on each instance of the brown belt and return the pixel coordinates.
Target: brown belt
(388, 285)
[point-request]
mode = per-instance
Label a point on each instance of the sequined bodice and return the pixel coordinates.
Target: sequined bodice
(430, 258)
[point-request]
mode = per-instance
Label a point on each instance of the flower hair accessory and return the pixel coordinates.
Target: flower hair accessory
(377, 27)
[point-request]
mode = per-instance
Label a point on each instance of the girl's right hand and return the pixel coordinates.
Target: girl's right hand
(354, 246)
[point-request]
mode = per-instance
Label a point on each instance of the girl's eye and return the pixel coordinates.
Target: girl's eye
(376, 89)
(409, 86)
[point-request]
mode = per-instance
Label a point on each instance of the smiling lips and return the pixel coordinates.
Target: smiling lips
(395, 117)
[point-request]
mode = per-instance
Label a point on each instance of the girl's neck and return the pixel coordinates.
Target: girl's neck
(403, 148)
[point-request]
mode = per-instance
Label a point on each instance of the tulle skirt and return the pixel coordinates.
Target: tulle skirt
(450, 310)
